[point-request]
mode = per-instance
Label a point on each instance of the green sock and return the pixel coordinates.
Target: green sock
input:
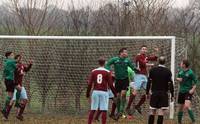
(191, 114)
(8, 98)
(17, 98)
(180, 116)
(118, 105)
(122, 105)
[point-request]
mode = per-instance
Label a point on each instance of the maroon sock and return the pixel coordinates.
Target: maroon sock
(130, 101)
(113, 109)
(103, 117)
(8, 109)
(142, 100)
(90, 118)
(97, 115)
(22, 108)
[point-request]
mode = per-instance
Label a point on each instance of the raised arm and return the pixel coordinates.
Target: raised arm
(154, 56)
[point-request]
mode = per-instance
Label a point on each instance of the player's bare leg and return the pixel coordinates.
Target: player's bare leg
(188, 107)
(21, 109)
(131, 99)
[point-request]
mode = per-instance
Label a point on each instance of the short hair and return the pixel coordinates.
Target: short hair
(186, 63)
(161, 60)
(8, 53)
(17, 56)
(143, 46)
(122, 49)
(101, 61)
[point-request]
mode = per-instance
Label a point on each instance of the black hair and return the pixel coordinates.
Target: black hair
(143, 46)
(186, 63)
(121, 50)
(101, 61)
(8, 53)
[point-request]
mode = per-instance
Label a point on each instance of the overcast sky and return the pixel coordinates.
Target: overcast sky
(94, 3)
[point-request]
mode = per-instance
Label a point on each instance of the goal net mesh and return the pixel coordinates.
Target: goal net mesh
(57, 81)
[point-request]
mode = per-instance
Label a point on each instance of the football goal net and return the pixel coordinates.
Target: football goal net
(58, 79)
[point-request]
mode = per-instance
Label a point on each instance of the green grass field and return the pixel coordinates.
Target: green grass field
(50, 119)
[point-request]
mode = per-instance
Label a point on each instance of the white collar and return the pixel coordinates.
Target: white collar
(161, 65)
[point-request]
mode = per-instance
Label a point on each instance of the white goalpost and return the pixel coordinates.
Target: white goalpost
(61, 47)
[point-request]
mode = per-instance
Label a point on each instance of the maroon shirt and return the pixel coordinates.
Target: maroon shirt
(100, 79)
(20, 72)
(142, 60)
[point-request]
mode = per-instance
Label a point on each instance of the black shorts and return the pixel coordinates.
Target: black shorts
(159, 100)
(184, 96)
(10, 85)
(121, 84)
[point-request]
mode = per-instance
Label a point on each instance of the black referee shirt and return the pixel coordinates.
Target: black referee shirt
(160, 80)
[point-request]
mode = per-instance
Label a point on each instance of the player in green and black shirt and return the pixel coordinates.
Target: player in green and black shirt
(121, 64)
(8, 74)
(188, 81)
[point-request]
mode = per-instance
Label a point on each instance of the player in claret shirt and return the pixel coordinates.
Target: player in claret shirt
(20, 95)
(111, 97)
(100, 80)
(140, 79)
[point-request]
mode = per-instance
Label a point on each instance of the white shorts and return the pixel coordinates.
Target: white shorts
(140, 81)
(23, 94)
(100, 100)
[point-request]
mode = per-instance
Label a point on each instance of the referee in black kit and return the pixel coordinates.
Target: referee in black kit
(159, 83)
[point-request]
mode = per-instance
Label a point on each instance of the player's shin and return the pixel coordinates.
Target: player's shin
(123, 103)
(180, 116)
(130, 101)
(160, 119)
(113, 109)
(142, 100)
(17, 104)
(191, 115)
(8, 99)
(97, 115)
(91, 115)
(151, 119)
(104, 117)
(22, 108)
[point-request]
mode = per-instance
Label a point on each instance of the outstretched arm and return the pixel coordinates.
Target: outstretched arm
(27, 68)
(154, 56)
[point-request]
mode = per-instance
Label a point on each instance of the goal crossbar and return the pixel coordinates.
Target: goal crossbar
(88, 37)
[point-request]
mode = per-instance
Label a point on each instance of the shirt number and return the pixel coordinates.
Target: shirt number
(99, 78)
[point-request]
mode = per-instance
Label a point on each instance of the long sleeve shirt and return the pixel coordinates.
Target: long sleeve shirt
(120, 67)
